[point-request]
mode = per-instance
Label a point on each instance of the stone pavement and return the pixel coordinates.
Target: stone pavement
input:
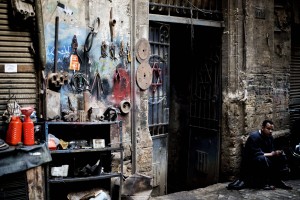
(219, 191)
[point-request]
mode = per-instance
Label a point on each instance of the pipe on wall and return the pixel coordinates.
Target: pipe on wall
(40, 33)
(41, 54)
(133, 88)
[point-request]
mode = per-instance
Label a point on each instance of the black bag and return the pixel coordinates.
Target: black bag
(236, 185)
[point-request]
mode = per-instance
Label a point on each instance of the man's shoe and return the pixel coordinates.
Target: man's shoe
(282, 185)
(269, 187)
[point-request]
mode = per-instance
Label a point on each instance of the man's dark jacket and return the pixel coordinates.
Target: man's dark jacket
(257, 169)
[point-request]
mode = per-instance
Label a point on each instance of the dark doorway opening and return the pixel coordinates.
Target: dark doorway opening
(195, 94)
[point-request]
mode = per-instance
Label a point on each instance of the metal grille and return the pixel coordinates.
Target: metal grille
(202, 163)
(197, 9)
(158, 91)
(205, 107)
(205, 92)
(16, 47)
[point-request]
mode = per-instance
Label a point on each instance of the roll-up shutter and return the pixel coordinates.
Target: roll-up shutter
(16, 48)
(295, 89)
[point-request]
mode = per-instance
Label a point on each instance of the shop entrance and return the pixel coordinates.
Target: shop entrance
(184, 109)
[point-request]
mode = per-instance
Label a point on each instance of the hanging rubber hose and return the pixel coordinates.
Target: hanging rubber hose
(90, 38)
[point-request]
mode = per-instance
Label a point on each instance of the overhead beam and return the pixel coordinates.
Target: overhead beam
(184, 20)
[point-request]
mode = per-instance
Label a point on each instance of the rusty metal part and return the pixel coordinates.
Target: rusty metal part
(24, 8)
(112, 24)
(122, 52)
(111, 114)
(79, 82)
(103, 50)
(143, 50)
(112, 51)
(97, 82)
(144, 76)
(74, 43)
(58, 79)
(128, 53)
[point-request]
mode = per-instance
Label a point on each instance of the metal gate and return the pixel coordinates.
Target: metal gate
(205, 107)
(203, 143)
(159, 104)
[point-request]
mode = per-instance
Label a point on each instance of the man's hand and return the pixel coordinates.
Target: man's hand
(276, 153)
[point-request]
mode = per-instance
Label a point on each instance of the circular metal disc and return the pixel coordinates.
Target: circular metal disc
(144, 76)
(143, 50)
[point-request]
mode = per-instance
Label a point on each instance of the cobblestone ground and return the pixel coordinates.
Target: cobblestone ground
(219, 191)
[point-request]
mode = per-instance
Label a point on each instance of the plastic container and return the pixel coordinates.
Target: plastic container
(28, 126)
(28, 131)
(14, 132)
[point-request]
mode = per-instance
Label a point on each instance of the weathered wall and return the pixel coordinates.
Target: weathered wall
(143, 139)
(76, 18)
(255, 77)
(117, 68)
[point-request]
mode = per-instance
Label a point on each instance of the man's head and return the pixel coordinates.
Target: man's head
(267, 127)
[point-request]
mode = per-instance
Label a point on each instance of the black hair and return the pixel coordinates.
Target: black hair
(265, 122)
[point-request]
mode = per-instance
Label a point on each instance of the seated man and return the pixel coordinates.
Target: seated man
(263, 165)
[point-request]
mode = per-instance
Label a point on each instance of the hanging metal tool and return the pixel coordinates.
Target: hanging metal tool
(90, 38)
(128, 53)
(57, 78)
(79, 82)
(123, 54)
(88, 45)
(97, 82)
(112, 51)
(103, 50)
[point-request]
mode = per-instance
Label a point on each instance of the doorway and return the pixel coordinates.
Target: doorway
(193, 103)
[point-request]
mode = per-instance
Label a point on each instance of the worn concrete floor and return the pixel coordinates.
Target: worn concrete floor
(219, 191)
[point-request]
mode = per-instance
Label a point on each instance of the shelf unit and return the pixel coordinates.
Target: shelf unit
(78, 157)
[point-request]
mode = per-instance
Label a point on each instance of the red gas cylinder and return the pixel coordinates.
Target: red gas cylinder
(14, 132)
(28, 127)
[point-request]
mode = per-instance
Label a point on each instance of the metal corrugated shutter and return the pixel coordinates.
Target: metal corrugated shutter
(295, 86)
(16, 47)
(14, 186)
